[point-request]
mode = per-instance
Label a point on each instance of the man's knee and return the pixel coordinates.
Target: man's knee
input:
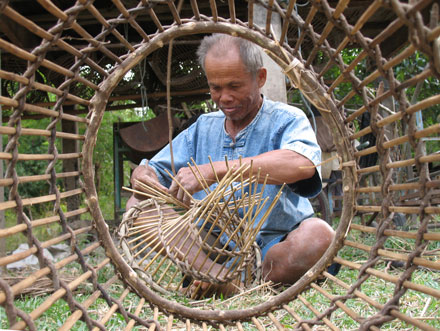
(288, 260)
(315, 234)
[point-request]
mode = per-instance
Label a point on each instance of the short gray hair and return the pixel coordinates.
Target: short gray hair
(250, 53)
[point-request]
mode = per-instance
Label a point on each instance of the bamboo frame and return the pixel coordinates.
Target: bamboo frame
(318, 30)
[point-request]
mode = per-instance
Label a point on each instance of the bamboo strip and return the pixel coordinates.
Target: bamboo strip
(76, 315)
(398, 256)
(285, 27)
(39, 157)
(43, 87)
(340, 7)
(404, 163)
(29, 281)
(42, 199)
(41, 110)
(338, 303)
(35, 29)
(367, 14)
(400, 140)
(251, 14)
(405, 210)
(396, 233)
(402, 187)
(269, 18)
(36, 178)
(22, 54)
(231, 4)
(275, 322)
(305, 326)
(174, 12)
(130, 19)
(310, 16)
(43, 221)
(213, 10)
(55, 11)
(387, 65)
(170, 322)
(316, 313)
(155, 317)
(95, 12)
(154, 95)
(257, 324)
(195, 9)
(38, 132)
(58, 295)
(153, 15)
(359, 24)
(395, 313)
(138, 310)
(104, 319)
(405, 84)
(32, 250)
(389, 278)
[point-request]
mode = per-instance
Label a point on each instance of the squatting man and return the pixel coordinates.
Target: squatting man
(276, 137)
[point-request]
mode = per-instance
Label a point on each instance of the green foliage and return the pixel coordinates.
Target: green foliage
(103, 155)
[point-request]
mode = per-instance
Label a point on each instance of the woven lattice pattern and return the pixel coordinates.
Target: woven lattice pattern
(372, 71)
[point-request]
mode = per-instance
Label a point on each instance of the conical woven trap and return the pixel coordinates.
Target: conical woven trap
(162, 237)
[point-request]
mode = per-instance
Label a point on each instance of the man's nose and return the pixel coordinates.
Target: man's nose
(225, 97)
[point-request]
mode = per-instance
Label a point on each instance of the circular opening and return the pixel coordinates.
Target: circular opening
(149, 281)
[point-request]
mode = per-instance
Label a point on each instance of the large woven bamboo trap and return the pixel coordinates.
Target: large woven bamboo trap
(371, 69)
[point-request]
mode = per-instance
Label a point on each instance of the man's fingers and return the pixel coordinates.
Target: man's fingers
(180, 194)
(174, 188)
(186, 199)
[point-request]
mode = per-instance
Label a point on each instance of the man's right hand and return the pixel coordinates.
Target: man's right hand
(144, 174)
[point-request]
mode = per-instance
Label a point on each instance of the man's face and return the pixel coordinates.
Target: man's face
(232, 88)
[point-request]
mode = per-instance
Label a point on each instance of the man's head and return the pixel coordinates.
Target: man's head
(219, 44)
(235, 73)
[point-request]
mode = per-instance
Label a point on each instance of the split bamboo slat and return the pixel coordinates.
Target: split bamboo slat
(371, 70)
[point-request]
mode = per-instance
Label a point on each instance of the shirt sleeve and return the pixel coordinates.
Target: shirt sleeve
(298, 136)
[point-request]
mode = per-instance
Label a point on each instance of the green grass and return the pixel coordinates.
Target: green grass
(412, 303)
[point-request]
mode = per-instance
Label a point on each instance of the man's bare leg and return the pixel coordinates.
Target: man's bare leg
(288, 260)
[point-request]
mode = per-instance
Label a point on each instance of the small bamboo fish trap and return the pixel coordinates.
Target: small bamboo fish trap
(155, 234)
(371, 69)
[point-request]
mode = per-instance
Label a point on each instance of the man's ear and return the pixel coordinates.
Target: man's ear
(261, 77)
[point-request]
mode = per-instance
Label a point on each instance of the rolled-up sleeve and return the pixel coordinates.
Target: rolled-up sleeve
(297, 135)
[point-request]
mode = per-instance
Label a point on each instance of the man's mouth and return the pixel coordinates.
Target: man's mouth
(230, 109)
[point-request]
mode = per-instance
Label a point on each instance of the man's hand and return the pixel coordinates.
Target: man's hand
(190, 183)
(145, 174)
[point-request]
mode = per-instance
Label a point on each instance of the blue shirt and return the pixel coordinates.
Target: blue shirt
(276, 126)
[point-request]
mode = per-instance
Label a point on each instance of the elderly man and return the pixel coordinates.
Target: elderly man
(276, 137)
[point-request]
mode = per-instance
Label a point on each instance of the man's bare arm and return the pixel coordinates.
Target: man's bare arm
(282, 166)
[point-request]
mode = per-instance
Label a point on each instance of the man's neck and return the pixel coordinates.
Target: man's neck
(234, 127)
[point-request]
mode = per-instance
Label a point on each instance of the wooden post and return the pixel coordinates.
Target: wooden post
(70, 146)
(275, 87)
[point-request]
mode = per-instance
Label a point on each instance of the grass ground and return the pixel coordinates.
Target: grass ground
(413, 303)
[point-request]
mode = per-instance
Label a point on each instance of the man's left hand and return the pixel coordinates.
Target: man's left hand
(189, 182)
